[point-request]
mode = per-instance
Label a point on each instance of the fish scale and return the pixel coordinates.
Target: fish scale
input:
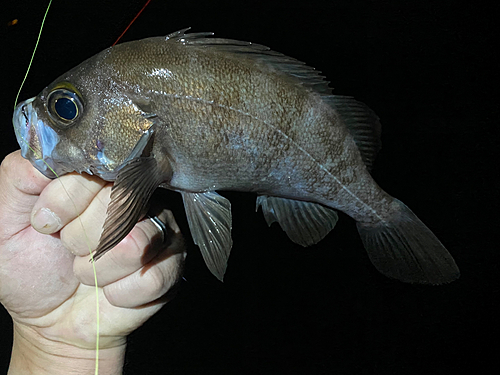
(196, 114)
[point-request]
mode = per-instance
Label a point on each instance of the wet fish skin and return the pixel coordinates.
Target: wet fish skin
(197, 114)
(242, 148)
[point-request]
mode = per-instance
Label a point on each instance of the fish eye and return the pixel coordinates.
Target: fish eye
(64, 106)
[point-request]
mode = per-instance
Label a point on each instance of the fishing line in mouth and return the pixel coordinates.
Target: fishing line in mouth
(38, 156)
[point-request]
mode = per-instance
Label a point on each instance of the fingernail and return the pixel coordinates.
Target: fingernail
(46, 221)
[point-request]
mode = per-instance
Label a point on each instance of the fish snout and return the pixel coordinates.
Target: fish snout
(36, 139)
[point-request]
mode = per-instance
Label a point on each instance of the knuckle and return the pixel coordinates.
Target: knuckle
(21, 174)
(171, 222)
(75, 244)
(112, 295)
(136, 243)
(157, 283)
(7, 162)
(67, 240)
(83, 271)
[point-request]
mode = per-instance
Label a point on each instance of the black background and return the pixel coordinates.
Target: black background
(427, 69)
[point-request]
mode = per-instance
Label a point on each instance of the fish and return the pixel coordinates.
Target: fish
(198, 114)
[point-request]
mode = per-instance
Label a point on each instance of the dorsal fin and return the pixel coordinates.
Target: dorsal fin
(305, 75)
(362, 123)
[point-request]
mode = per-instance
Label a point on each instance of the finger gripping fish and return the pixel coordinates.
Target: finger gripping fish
(197, 114)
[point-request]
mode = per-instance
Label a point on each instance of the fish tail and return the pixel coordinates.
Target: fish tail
(403, 248)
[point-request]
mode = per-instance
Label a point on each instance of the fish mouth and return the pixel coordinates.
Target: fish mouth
(37, 140)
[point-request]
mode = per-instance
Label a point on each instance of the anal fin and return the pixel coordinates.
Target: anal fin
(305, 223)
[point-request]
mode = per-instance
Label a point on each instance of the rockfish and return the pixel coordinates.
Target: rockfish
(197, 114)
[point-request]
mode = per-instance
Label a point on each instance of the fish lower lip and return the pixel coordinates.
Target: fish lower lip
(22, 121)
(42, 167)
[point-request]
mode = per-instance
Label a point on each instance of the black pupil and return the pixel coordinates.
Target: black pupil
(65, 108)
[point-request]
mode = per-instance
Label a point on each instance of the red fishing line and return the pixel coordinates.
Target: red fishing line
(131, 22)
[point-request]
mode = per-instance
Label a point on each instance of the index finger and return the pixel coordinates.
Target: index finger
(20, 186)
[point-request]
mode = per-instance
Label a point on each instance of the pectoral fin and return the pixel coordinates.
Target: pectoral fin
(134, 185)
(305, 223)
(209, 218)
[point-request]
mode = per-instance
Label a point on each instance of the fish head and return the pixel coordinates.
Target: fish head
(41, 143)
(85, 121)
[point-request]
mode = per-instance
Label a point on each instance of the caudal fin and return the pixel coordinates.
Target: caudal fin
(404, 248)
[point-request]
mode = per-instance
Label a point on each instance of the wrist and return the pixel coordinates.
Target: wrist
(35, 354)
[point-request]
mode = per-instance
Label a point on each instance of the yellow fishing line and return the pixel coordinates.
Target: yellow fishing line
(69, 196)
(33, 55)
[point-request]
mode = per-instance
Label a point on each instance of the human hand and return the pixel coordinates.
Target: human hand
(48, 290)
